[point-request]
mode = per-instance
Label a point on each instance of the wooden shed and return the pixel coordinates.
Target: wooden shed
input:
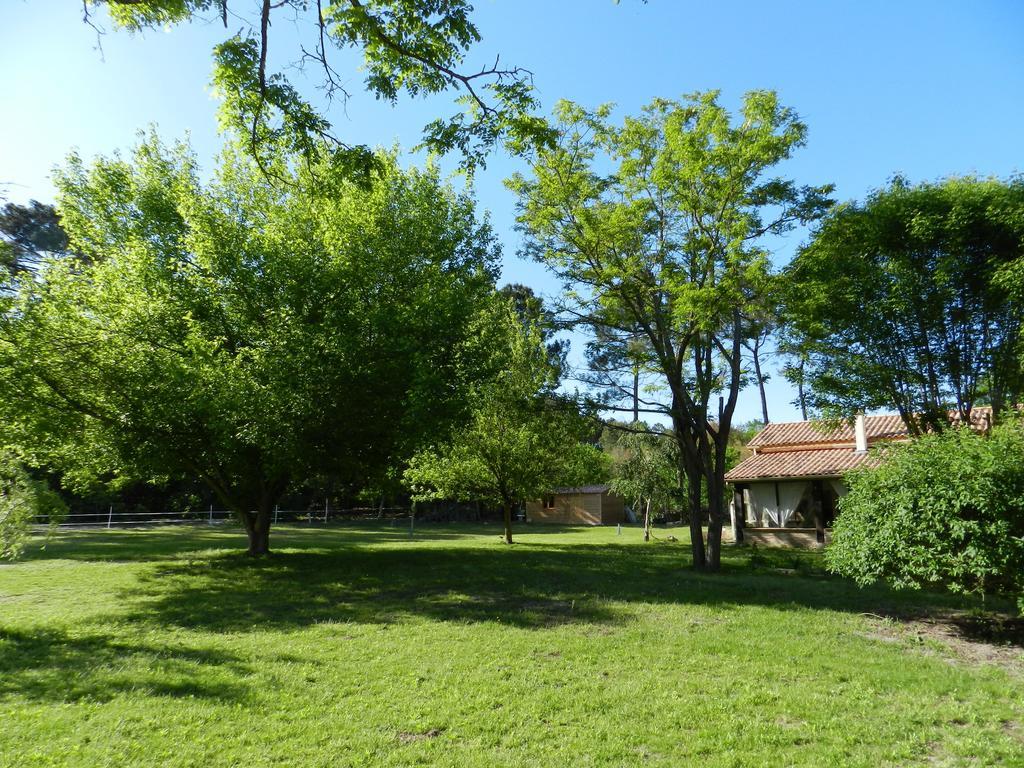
(585, 505)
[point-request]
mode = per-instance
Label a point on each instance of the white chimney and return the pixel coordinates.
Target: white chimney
(860, 434)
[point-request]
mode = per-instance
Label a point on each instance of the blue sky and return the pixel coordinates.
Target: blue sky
(925, 89)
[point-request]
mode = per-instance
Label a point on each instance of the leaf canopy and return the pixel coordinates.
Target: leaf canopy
(245, 333)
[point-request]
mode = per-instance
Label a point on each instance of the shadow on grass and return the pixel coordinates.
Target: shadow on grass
(141, 544)
(50, 665)
(533, 585)
(373, 573)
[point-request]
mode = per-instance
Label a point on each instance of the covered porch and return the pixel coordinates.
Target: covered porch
(785, 511)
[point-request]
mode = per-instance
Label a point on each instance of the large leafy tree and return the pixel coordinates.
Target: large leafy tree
(419, 47)
(248, 334)
(898, 302)
(521, 439)
(656, 228)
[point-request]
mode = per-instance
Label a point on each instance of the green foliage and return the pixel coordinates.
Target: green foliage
(897, 302)
(656, 227)
(646, 472)
(647, 469)
(945, 509)
(521, 440)
(530, 309)
(247, 334)
(22, 499)
(418, 47)
(274, 117)
(740, 435)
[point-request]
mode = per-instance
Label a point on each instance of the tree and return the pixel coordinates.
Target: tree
(761, 313)
(616, 365)
(945, 509)
(28, 234)
(654, 227)
(530, 309)
(416, 46)
(251, 335)
(794, 371)
(646, 472)
(897, 302)
(521, 439)
(23, 499)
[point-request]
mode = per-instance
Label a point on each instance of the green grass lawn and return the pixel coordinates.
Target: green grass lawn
(575, 647)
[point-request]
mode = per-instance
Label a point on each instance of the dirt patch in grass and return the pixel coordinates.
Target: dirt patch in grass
(1014, 729)
(993, 639)
(410, 737)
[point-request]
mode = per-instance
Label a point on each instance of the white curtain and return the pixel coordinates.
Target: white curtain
(762, 501)
(776, 511)
(839, 487)
(789, 499)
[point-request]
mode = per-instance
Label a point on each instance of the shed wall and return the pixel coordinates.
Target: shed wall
(569, 509)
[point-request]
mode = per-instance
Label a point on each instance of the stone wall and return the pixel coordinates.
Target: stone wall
(802, 538)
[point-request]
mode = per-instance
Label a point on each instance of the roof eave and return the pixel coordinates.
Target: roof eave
(784, 478)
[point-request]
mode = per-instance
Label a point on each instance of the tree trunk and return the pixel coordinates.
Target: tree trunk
(260, 494)
(647, 521)
(259, 541)
(716, 492)
(506, 510)
(257, 528)
(760, 384)
(693, 479)
(636, 395)
(716, 500)
(801, 395)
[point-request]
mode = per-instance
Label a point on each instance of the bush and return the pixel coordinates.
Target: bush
(945, 509)
(22, 499)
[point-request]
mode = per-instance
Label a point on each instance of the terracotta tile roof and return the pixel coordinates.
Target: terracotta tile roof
(809, 432)
(816, 462)
(981, 417)
(806, 449)
(886, 426)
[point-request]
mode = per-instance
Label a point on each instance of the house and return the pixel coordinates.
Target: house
(786, 491)
(585, 505)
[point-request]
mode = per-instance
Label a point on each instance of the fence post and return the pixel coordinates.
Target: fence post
(327, 509)
(211, 515)
(110, 516)
(275, 514)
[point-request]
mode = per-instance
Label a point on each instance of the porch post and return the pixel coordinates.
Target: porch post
(738, 514)
(817, 493)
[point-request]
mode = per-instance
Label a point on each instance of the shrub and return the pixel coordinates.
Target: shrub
(945, 509)
(22, 499)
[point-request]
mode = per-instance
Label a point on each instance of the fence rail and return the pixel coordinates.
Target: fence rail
(132, 519)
